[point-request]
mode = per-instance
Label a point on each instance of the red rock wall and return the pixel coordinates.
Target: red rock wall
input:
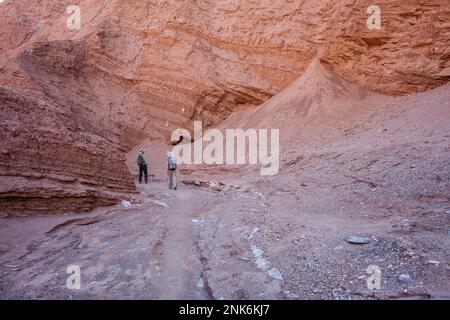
(210, 58)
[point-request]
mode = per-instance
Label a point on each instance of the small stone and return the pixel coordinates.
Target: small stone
(200, 283)
(290, 295)
(404, 278)
(357, 240)
(126, 204)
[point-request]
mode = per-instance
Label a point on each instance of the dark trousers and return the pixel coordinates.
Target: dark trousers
(143, 170)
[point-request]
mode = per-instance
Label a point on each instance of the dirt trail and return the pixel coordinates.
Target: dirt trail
(180, 264)
(145, 251)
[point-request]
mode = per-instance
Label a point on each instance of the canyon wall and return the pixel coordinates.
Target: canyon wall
(74, 101)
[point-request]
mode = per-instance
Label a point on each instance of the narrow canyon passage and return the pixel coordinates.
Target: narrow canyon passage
(311, 141)
(230, 233)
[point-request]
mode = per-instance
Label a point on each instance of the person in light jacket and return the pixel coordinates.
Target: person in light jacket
(172, 170)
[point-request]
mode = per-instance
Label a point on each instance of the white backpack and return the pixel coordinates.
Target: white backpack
(171, 161)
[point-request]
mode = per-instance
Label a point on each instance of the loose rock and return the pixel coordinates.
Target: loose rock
(357, 240)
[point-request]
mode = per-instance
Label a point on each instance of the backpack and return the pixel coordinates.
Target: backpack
(172, 164)
(140, 160)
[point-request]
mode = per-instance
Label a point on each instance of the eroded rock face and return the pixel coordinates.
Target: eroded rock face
(209, 58)
(139, 69)
(51, 160)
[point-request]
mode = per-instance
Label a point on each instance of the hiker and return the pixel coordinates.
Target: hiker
(172, 170)
(142, 164)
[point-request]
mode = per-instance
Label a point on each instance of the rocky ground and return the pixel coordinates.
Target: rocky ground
(208, 242)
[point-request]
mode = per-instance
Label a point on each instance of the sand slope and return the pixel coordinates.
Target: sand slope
(318, 97)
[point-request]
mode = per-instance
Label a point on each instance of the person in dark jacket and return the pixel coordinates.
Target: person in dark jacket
(142, 164)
